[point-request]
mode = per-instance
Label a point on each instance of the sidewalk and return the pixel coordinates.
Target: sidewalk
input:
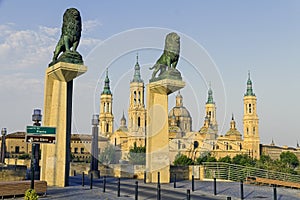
(203, 190)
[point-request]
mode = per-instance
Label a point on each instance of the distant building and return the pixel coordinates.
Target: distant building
(182, 139)
(80, 146)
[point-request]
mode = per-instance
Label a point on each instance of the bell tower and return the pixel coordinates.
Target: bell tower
(137, 110)
(210, 110)
(250, 121)
(106, 117)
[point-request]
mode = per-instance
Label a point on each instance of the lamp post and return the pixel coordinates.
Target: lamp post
(94, 148)
(3, 148)
(35, 148)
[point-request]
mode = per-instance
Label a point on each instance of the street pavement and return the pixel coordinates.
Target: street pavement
(203, 190)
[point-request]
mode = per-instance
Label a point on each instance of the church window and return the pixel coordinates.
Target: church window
(217, 147)
(115, 141)
(253, 130)
(250, 109)
(75, 150)
(240, 146)
(179, 144)
(139, 97)
(107, 127)
(183, 146)
(81, 150)
(247, 130)
(134, 97)
(139, 121)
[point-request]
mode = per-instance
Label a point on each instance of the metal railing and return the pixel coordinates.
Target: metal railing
(233, 172)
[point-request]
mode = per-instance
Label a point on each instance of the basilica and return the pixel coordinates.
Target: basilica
(182, 139)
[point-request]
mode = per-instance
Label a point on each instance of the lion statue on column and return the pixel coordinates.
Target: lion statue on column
(69, 39)
(169, 58)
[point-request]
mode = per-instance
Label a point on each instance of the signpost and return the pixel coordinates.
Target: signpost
(40, 130)
(40, 134)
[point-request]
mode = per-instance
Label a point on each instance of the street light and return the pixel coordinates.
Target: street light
(3, 133)
(94, 148)
(35, 148)
(37, 117)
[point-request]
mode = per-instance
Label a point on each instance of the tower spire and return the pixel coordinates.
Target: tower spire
(210, 99)
(106, 89)
(232, 123)
(249, 91)
(137, 72)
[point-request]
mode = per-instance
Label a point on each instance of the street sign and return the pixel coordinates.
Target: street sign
(37, 130)
(40, 139)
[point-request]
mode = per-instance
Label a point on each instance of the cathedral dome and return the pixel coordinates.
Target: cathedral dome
(179, 112)
(180, 116)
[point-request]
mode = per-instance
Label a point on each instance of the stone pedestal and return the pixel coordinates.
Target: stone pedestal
(157, 143)
(55, 160)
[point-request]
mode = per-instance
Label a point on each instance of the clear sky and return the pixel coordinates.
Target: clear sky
(221, 41)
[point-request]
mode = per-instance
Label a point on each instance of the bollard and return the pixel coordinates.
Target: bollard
(242, 190)
(158, 177)
(228, 198)
(119, 186)
(274, 192)
(145, 176)
(158, 192)
(188, 194)
(136, 190)
(91, 181)
(193, 184)
(104, 183)
(215, 186)
(174, 180)
(82, 183)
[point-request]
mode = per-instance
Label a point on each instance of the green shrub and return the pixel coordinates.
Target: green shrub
(30, 194)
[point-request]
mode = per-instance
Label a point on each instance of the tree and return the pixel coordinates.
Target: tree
(182, 160)
(289, 159)
(265, 162)
(205, 158)
(137, 155)
(243, 159)
(225, 159)
(24, 156)
(108, 155)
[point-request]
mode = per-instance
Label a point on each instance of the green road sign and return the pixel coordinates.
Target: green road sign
(37, 130)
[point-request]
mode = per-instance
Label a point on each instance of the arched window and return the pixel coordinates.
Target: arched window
(134, 97)
(107, 127)
(139, 97)
(253, 130)
(139, 121)
(250, 109)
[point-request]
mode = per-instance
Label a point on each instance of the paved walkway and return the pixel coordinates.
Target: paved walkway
(203, 191)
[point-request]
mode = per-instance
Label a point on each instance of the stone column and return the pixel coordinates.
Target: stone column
(157, 143)
(55, 160)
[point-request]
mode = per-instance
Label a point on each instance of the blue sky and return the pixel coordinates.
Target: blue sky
(233, 37)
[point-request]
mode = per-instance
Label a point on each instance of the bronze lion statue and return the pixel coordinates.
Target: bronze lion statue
(71, 33)
(170, 56)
